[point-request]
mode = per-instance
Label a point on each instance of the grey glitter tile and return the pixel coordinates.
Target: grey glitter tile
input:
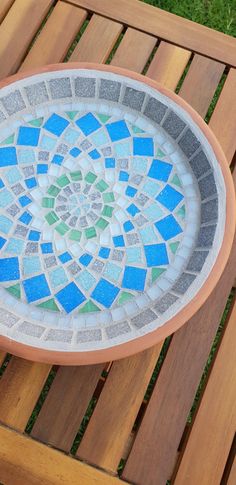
(97, 206)
(43, 156)
(118, 329)
(98, 266)
(13, 210)
(197, 260)
(85, 145)
(173, 125)
(199, 164)
(62, 149)
(136, 179)
(206, 236)
(21, 230)
(50, 261)
(83, 222)
(67, 191)
(85, 87)
(183, 283)
(76, 187)
(31, 329)
(73, 268)
(143, 318)
(209, 211)
(60, 335)
(73, 221)
(28, 170)
(109, 90)
(7, 318)
(123, 163)
(65, 216)
(61, 208)
(31, 247)
(2, 116)
(95, 195)
(36, 93)
(155, 110)
(106, 151)
(87, 189)
(117, 255)
(92, 216)
(140, 220)
(133, 98)
(60, 88)
(61, 198)
(89, 335)
(165, 302)
(142, 199)
(132, 239)
(189, 143)
(17, 189)
(13, 102)
(207, 186)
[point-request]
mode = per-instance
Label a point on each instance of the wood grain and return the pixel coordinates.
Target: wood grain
(168, 64)
(232, 475)
(204, 76)
(223, 120)
(5, 5)
(132, 42)
(55, 39)
(117, 408)
(97, 41)
(17, 31)
(167, 26)
(65, 405)
(211, 436)
(25, 461)
(20, 387)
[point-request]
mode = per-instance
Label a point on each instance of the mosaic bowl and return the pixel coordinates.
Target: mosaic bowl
(116, 213)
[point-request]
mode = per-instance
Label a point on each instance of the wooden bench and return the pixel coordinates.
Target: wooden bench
(146, 436)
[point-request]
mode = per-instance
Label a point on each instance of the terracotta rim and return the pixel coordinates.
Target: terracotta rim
(152, 338)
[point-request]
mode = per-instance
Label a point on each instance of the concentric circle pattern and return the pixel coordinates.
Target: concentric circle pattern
(108, 209)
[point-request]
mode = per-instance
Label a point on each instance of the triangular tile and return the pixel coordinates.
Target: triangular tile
(71, 114)
(8, 141)
(14, 290)
(89, 307)
(176, 181)
(174, 246)
(156, 272)
(124, 297)
(36, 122)
(49, 305)
(181, 212)
(136, 129)
(160, 153)
(103, 118)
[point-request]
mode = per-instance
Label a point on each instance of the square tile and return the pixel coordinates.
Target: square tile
(8, 156)
(168, 227)
(156, 255)
(88, 124)
(160, 170)
(117, 130)
(9, 269)
(70, 297)
(36, 288)
(143, 146)
(56, 124)
(105, 293)
(169, 197)
(134, 278)
(28, 136)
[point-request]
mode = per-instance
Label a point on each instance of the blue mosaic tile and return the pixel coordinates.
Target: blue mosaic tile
(134, 278)
(34, 235)
(42, 168)
(28, 136)
(130, 191)
(75, 152)
(118, 130)
(8, 156)
(169, 197)
(94, 154)
(118, 241)
(24, 200)
(30, 183)
(156, 254)
(143, 146)
(9, 269)
(160, 170)
(36, 288)
(123, 176)
(58, 277)
(70, 297)
(58, 159)
(168, 227)
(133, 209)
(25, 218)
(31, 264)
(110, 162)
(104, 252)
(85, 259)
(65, 257)
(14, 246)
(128, 226)
(88, 124)
(46, 248)
(105, 293)
(56, 124)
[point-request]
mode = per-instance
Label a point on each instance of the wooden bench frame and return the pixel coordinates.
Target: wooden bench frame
(150, 437)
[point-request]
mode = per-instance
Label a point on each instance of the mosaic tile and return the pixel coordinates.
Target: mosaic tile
(173, 125)
(109, 90)
(85, 87)
(155, 110)
(133, 98)
(60, 88)
(36, 93)
(13, 102)
(189, 143)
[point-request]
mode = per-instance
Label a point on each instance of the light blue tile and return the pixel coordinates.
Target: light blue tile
(26, 156)
(153, 212)
(122, 149)
(5, 224)
(5, 197)
(85, 280)
(15, 246)
(148, 235)
(71, 135)
(134, 255)
(99, 139)
(47, 142)
(13, 175)
(139, 165)
(151, 188)
(112, 271)
(31, 264)
(58, 277)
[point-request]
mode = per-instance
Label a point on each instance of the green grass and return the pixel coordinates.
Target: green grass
(217, 14)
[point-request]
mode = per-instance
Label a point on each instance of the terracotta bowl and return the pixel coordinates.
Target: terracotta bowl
(117, 213)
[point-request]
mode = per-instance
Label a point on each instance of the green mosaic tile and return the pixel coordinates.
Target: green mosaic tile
(53, 190)
(156, 272)
(8, 141)
(90, 177)
(48, 202)
(71, 114)
(181, 212)
(89, 307)
(103, 118)
(75, 176)
(51, 218)
(108, 197)
(49, 305)
(124, 297)
(90, 232)
(136, 129)
(37, 122)
(14, 290)
(101, 186)
(62, 181)
(107, 211)
(62, 228)
(176, 181)
(160, 153)
(174, 246)
(102, 223)
(75, 235)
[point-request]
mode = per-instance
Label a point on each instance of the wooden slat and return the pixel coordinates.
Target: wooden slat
(167, 26)
(25, 461)
(214, 427)
(55, 34)
(97, 41)
(168, 64)
(223, 120)
(5, 5)
(138, 48)
(17, 30)
(20, 387)
(232, 475)
(65, 405)
(203, 76)
(2, 357)
(117, 408)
